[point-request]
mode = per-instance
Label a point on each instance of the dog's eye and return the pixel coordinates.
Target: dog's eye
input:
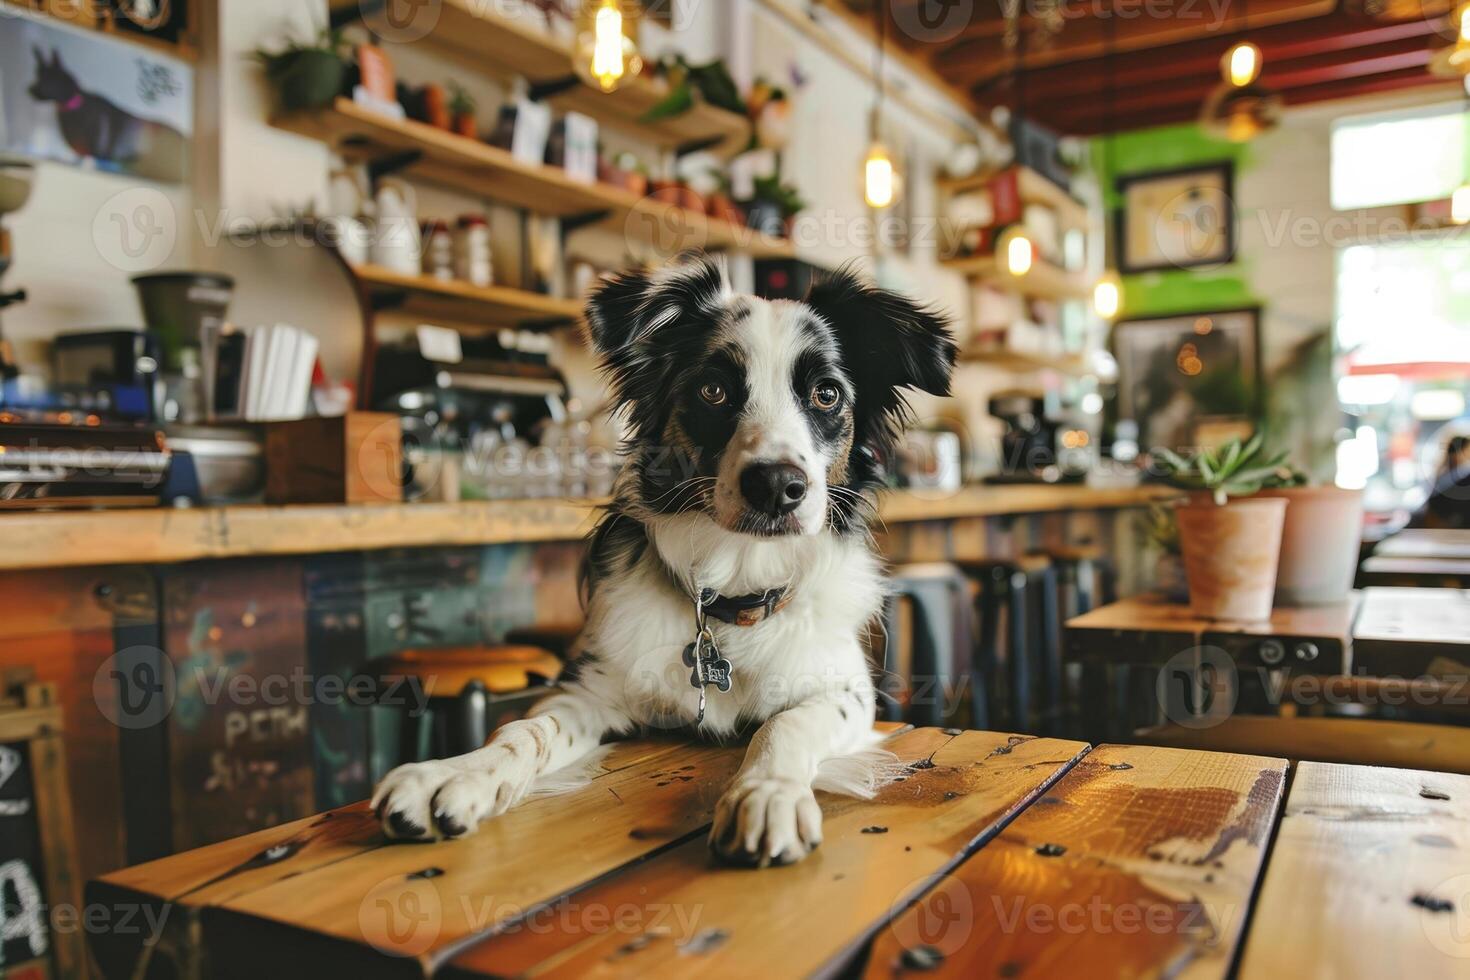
(826, 396)
(713, 393)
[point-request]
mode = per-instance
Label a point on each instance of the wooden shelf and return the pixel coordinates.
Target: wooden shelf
(492, 306)
(1044, 281)
(478, 168)
(164, 535)
(1074, 365)
(1033, 188)
(476, 30)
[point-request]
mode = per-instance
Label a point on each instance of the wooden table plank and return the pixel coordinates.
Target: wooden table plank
(1140, 862)
(1369, 877)
(324, 855)
(1426, 543)
(399, 910)
(686, 916)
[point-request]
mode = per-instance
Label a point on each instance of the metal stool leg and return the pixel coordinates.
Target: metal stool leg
(1048, 608)
(1018, 654)
(984, 666)
(471, 718)
(890, 685)
(931, 636)
(410, 735)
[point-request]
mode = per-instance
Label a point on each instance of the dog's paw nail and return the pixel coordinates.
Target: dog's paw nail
(448, 826)
(402, 826)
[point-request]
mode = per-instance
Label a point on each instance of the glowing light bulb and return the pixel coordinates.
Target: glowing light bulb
(1018, 255)
(607, 48)
(1460, 205)
(605, 53)
(1107, 296)
(879, 177)
(1241, 64)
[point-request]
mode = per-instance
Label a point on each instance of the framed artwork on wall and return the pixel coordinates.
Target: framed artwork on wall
(1176, 219)
(1189, 379)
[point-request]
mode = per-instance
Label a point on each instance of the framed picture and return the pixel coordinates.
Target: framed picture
(1176, 219)
(84, 98)
(1189, 379)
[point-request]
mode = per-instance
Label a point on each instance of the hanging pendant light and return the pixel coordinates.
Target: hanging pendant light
(880, 178)
(882, 181)
(1241, 64)
(1240, 108)
(1107, 294)
(606, 51)
(1020, 253)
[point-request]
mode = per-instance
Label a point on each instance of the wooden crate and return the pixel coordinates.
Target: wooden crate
(352, 459)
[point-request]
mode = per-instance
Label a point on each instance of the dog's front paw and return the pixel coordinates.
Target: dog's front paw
(766, 821)
(432, 800)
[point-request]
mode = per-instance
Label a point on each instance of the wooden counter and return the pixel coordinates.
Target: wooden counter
(164, 535)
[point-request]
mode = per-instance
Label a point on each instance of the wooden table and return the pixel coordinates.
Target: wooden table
(1433, 558)
(987, 855)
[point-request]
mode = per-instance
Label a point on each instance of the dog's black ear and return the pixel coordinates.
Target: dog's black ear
(888, 341)
(630, 307)
(40, 55)
(612, 310)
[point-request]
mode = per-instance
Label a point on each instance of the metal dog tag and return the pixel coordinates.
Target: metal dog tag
(703, 659)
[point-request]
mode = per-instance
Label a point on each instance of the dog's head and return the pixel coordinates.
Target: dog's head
(53, 82)
(769, 416)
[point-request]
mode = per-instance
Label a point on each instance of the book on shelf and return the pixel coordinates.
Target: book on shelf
(258, 374)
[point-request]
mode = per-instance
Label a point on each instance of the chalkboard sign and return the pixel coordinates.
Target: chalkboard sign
(23, 935)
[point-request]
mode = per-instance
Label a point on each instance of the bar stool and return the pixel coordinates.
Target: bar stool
(1085, 580)
(939, 629)
(465, 687)
(1022, 591)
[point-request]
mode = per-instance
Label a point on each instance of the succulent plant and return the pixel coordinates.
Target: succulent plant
(1233, 469)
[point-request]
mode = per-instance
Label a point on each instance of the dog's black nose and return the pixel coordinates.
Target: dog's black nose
(773, 488)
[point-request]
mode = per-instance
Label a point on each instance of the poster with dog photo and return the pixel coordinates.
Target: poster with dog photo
(82, 98)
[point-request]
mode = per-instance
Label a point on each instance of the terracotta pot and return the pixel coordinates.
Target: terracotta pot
(1319, 544)
(1230, 555)
(464, 125)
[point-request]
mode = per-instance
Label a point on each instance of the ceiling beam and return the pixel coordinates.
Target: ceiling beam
(1279, 45)
(1086, 38)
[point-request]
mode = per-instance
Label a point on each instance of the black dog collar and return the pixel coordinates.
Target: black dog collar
(743, 610)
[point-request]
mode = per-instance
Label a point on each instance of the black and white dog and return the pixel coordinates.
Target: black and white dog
(732, 577)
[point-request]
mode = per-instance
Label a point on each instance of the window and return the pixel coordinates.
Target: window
(1402, 328)
(1399, 158)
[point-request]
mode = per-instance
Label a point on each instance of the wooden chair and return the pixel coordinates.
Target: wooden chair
(466, 687)
(1354, 741)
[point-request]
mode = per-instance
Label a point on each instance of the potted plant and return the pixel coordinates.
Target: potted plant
(773, 206)
(307, 75)
(1229, 535)
(1162, 529)
(462, 108)
(1320, 541)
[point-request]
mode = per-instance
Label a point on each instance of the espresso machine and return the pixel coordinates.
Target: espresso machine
(1028, 442)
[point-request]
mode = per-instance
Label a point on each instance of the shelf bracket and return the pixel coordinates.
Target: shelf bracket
(696, 146)
(387, 299)
(383, 166)
(555, 86)
(572, 222)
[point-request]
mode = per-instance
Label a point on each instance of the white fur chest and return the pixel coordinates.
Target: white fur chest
(640, 623)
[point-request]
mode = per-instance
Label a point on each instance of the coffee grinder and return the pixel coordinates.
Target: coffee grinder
(16, 177)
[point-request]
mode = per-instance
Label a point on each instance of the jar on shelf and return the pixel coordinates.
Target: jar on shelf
(472, 250)
(438, 250)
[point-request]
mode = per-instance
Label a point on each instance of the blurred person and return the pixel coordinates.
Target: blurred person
(1448, 505)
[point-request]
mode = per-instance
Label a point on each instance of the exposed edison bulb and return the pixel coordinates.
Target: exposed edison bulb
(1241, 64)
(1460, 205)
(880, 177)
(606, 54)
(1464, 15)
(1018, 255)
(1107, 296)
